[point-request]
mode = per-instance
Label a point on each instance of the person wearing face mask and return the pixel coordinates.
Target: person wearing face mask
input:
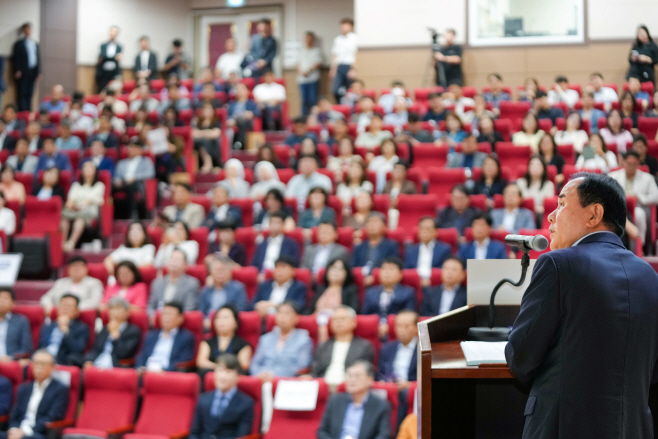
(387, 101)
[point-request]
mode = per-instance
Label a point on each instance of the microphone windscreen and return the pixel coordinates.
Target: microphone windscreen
(540, 243)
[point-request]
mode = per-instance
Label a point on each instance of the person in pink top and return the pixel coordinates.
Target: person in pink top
(128, 285)
(13, 190)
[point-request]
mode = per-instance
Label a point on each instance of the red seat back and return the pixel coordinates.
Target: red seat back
(42, 216)
(535, 254)
(250, 386)
(308, 323)
(513, 110)
(550, 204)
(442, 180)
(14, 372)
(249, 277)
(304, 424)
(512, 155)
(74, 388)
(249, 327)
(36, 316)
(428, 155)
(247, 237)
(193, 322)
(246, 205)
(413, 207)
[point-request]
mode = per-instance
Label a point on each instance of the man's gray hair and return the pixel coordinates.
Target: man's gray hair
(370, 369)
(46, 352)
(118, 301)
(349, 309)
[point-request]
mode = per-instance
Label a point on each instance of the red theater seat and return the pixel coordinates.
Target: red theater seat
(302, 424)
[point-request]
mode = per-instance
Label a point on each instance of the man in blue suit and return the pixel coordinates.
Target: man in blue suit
(51, 158)
(221, 210)
(6, 392)
(428, 253)
(586, 337)
(15, 332)
(66, 337)
(482, 246)
(390, 296)
(451, 294)
(102, 162)
(223, 291)
(282, 288)
(513, 217)
(225, 412)
(275, 245)
(371, 252)
(28, 420)
(166, 347)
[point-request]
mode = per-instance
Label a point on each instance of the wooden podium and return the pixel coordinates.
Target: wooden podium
(460, 401)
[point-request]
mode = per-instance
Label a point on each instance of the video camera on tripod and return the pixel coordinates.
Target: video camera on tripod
(436, 46)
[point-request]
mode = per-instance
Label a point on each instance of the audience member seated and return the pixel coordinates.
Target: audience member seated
(390, 296)
(589, 112)
(451, 294)
(98, 158)
(562, 93)
(168, 346)
(341, 131)
(353, 94)
(130, 176)
(653, 111)
(241, 113)
(206, 133)
(128, 286)
(375, 135)
(535, 183)
(7, 218)
(342, 350)
(119, 339)
(355, 183)
(398, 184)
(274, 204)
(627, 109)
(398, 358)
(342, 162)
(224, 341)
(285, 351)
(176, 237)
(548, 151)
(323, 113)
(530, 134)
(15, 333)
(184, 209)
(414, 133)
(66, 140)
(400, 116)
(337, 288)
(428, 253)
(175, 100)
(225, 412)
(487, 132)
(596, 156)
(512, 217)
(358, 412)
(642, 147)
(269, 95)
(44, 121)
(22, 160)
(603, 94)
(175, 286)
(87, 289)
(383, 164)
(470, 157)
(32, 134)
(317, 255)
(83, 205)
(318, 211)
(363, 116)
(38, 402)
(223, 243)
(266, 180)
(49, 186)
(478, 112)
(635, 89)
(282, 288)
(544, 110)
(375, 248)
(482, 246)
(207, 98)
(136, 248)
(638, 184)
(436, 111)
(454, 97)
(614, 131)
(454, 132)
(11, 189)
(112, 102)
(221, 210)
(491, 182)
(307, 147)
(363, 203)
(387, 101)
(308, 178)
(459, 214)
(66, 337)
(223, 290)
(299, 132)
(12, 122)
(104, 133)
(234, 181)
(206, 78)
(144, 99)
(50, 158)
(496, 95)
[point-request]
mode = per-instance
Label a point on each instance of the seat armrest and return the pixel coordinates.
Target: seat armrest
(180, 435)
(121, 430)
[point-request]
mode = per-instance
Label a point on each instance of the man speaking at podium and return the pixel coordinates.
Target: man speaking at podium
(586, 338)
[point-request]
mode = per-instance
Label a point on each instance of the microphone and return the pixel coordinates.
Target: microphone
(538, 243)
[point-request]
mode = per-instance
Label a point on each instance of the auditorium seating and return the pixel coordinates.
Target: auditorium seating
(302, 423)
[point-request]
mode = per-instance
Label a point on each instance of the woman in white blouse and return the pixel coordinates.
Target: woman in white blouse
(177, 237)
(530, 134)
(234, 181)
(385, 162)
(137, 249)
(82, 206)
(614, 131)
(355, 183)
(598, 157)
(535, 184)
(573, 134)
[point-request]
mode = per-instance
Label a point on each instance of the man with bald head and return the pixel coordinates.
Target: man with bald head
(586, 338)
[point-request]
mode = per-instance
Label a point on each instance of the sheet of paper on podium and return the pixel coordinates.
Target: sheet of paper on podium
(483, 275)
(484, 352)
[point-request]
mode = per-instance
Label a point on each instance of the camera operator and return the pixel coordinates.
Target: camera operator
(448, 60)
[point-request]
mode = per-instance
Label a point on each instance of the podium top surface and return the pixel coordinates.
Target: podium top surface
(448, 362)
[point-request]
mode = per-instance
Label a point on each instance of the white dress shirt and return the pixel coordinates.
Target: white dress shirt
(4, 327)
(144, 59)
(31, 48)
(272, 252)
(510, 219)
(606, 95)
(481, 249)
(568, 96)
(269, 92)
(425, 256)
(335, 373)
(131, 169)
(403, 359)
(159, 359)
(139, 256)
(30, 419)
(447, 298)
(228, 63)
(279, 292)
(321, 257)
(345, 48)
(7, 221)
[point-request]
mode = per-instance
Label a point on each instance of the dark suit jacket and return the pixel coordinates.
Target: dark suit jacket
(234, 213)
(235, 295)
(349, 297)
(73, 344)
(102, 57)
(236, 420)
(360, 349)
(404, 297)
(52, 407)
(386, 359)
(19, 58)
(111, 141)
(441, 252)
(449, 217)
(123, 348)
(58, 191)
(152, 65)
(432, 300)
(182, 351)
(289, 247)
(495, 250)
(311, 251)
(376, 422)
(107, 164)
(385, 248)
(19, 335)
(586, 342)
(6, 393)
(296, 293)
